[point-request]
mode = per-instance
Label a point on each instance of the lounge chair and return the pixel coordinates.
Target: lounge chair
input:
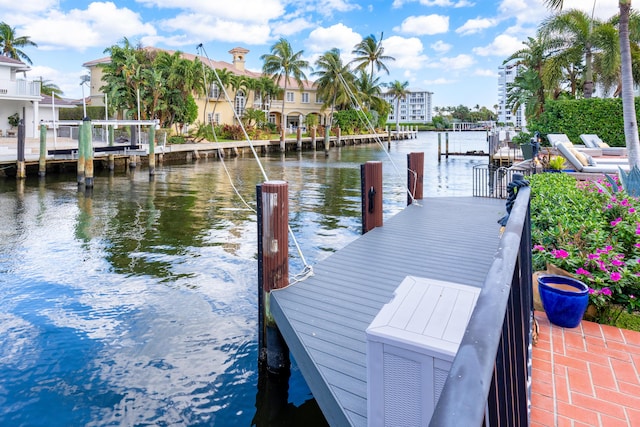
(585, 163)
(555, 138)
(593, 141)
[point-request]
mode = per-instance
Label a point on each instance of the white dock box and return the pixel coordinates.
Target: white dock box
(410, 346)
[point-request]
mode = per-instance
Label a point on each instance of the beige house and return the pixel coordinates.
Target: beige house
(218, 109)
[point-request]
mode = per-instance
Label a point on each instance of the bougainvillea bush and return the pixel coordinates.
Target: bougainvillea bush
(586, 229)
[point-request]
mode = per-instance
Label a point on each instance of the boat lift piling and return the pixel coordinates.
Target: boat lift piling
(415, 176)
(371, 185)
(20, 163)
(273, 270)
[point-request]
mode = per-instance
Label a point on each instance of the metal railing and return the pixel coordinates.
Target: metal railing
(492, 181)
(489, 381)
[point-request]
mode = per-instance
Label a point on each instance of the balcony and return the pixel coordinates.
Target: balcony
(16, 89)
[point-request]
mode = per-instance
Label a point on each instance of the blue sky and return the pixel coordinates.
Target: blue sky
(450, 47)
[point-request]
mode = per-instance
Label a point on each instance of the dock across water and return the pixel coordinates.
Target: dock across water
(323, 319)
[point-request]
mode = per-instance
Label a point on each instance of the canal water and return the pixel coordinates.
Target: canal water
(136, 303)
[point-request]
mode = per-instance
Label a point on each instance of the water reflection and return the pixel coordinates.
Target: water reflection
(135, 302)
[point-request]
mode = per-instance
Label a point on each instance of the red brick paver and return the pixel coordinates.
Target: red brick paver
(585, 376)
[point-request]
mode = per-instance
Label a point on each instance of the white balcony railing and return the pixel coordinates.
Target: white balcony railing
(19, 88)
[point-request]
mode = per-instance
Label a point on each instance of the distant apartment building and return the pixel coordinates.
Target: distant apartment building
(415, 108)
(506, 75)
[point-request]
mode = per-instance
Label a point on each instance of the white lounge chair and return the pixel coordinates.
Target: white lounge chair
(583, 163)
(555, 138)
(593, 141)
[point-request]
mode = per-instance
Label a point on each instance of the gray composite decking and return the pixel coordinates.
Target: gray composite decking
(323, 319)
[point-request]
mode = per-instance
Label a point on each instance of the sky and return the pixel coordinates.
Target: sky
(452, 48)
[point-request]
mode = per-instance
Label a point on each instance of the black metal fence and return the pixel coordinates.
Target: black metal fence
(492, 181)
(489, 381)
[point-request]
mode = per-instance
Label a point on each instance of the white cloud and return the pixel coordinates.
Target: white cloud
(440, 3)
(424, 25)
(101, 24)
(27, 6)
(287, 28)
(459, 62)
(406, 51)
(236, 10)
(68, 82)
(440, 81)
(339, 36)
(440, 46)
(473, 26)
(502, 45)
(207, 28)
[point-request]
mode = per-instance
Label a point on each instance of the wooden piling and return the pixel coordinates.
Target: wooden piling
(21, 167)
(439, 146)
(327, 131)
(415, 176)
(371, 182)
(152, 150)
(313, 138)
(338, 137)
(88, 153)
(42, 161)
(299, 139)
(273, 269)
(446, 137)
(81, 151)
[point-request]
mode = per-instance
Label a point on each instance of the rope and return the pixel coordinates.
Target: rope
(372, 130)
(307, 271)
(511, 199)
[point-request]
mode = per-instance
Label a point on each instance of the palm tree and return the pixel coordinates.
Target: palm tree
(47, 87)
(281, 64)
(369, 91)
(221, 80)
(399, 90)
(335, 81)
(628, 106)
(369, 53)
(11, 43)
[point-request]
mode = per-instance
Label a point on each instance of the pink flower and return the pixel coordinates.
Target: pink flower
(624, 202)
(539, 248)
(592, 291)
(632, 210)
(616, 222)
(632, 296)
(617, 262)
(615, 276)
(594, 256)
(583, 272)
(560, 253)
(606, 291)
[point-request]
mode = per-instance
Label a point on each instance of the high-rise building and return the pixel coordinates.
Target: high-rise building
(506, 75)
(415, 108)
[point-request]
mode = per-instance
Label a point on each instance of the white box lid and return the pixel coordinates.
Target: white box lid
(426, 313)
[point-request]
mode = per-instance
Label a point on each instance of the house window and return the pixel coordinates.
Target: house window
(240, 103)
(213, 118)
(319, 99)
(305, 98)
(214, 91)
(290, 97)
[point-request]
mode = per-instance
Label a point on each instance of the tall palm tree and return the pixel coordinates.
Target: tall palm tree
(11, 43)
(628, 106)
(335, 81)
(370, 53)
(399, 90)
(47, 87)
(281, 64)
(220, 79)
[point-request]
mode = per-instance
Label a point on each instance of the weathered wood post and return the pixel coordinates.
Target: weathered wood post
(273, 269)
(446, 137)
(415, 176)
(42, 161)
(338, 137)
(88, 152)
(388, 138)
(152, 150)
(439, 146)
(81, 147)
(371, 182)
(313, 138)
(111, 158)
(327, 143)
(21, 167)
(299, 139)
(283, 136)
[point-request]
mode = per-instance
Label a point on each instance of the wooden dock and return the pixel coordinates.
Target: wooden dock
(323, 319)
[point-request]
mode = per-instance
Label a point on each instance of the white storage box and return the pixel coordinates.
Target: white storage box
(410, 346)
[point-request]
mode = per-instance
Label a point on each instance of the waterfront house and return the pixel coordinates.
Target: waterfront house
(215, 108)
(18, 96)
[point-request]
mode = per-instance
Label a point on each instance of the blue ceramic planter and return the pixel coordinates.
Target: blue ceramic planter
(564, 299)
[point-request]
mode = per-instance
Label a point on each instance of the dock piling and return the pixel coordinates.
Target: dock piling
(446, 137)
(152, 150)
(42, 161)
(21, 167)
(273, 269)
(327, 131)
(81, 154)
(88, 153)
(439, 146)
(415, 176)
(371, 182)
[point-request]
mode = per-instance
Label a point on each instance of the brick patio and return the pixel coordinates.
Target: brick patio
(585, 376)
